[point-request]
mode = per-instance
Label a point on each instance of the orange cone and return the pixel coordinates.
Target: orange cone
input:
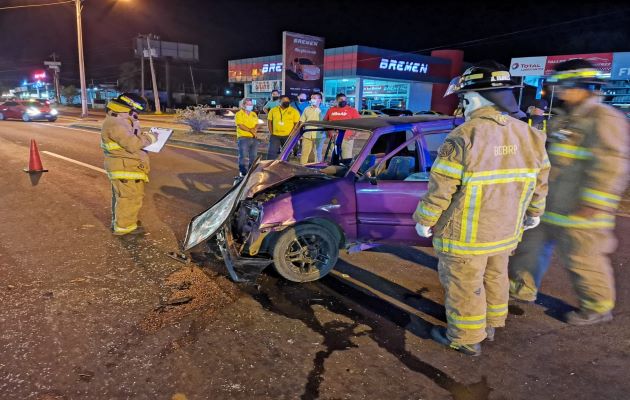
(34, 162)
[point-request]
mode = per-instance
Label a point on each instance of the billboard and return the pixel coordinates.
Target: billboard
(302, 63)
(528, 66)
(601, 61)
(159, 49)
(620, 66)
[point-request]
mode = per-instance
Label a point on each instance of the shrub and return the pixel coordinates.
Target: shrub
(197, 117)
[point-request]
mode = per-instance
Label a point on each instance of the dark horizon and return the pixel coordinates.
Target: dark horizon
(227, 30)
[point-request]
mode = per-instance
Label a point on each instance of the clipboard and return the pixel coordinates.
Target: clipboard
(163, 134)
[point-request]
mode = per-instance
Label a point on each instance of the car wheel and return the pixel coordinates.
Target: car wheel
(305, 253)
(52, 119)
(1, 117)
(26, 118)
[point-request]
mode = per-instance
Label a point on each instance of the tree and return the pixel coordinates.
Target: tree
(128, 80)
(69, 92)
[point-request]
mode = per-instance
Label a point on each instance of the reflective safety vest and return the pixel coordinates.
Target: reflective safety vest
(124, 157)
(541, 126)
(490, 172)
(588, 150)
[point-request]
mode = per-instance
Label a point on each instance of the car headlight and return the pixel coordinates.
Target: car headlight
(32, 111)
(54, 112)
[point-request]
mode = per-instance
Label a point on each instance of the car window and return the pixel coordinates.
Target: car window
(10, 104)
(402, 165)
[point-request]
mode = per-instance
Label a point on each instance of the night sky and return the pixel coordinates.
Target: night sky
(236, 29)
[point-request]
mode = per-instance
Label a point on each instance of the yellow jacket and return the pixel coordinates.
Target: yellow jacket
(489, 173)
(124, 157)
(588, 150)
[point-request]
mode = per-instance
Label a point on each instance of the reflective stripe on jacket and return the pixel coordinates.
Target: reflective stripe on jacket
(490, 172)
(124, 157)
(588, 150)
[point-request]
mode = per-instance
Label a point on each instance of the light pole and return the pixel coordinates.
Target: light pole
(84, 108)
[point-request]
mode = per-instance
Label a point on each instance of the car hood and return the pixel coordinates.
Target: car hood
(263, 175)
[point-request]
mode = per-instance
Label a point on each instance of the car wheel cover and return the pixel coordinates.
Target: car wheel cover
(307, 254)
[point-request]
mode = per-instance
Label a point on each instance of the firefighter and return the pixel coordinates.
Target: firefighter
(126, 163)
(487, 184)
(536, 114)
(588, 150)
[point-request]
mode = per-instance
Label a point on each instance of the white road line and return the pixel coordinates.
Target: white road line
(67, 127)
(75, 162)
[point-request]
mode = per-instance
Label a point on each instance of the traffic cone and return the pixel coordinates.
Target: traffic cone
(34, 161)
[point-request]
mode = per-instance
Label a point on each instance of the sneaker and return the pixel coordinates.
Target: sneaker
(438, 333)
(586, 317)
(490, 333)
(138, 231)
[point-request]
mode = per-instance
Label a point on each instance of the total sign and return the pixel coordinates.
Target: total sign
(620, 66)
(528, 66)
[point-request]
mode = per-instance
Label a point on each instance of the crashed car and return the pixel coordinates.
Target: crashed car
(298, 217)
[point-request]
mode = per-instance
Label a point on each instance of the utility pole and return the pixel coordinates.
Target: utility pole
(156, 95)
(192, 78)
(84, 108)
(142, 73)
(55, 68)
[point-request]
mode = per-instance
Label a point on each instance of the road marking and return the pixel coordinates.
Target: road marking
(75, 162)
(67, 127)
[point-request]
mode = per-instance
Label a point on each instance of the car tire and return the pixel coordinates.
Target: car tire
(52, 119)
(26, 118)
(305, 253)
(1, 117)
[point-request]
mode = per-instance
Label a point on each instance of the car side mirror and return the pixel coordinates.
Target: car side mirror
(372, 180)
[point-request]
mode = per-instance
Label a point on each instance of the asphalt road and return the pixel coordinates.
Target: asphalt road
(85, 315)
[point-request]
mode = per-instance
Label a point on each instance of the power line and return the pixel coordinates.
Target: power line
(36, 5)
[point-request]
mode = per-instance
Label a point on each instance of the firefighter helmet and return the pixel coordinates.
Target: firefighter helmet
(486, 75)
(578, 73)
(127, 102)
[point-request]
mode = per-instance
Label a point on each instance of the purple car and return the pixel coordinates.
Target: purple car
(299, 217)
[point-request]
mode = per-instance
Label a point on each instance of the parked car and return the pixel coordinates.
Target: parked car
(370, 113)
(305, 69)
(396, 112)
(299, 217)
(27, 110)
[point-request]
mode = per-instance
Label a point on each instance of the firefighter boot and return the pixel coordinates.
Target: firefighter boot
(438, 333)
(587, 317)
(490, 333)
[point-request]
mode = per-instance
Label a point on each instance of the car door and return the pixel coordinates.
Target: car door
(8, 109)
(387, 200)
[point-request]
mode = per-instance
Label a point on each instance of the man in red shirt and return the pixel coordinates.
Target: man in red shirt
(338, 113)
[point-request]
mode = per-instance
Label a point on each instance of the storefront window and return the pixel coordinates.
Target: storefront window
(379, 94)
(346, 86)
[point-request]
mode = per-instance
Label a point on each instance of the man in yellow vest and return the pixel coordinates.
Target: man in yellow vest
(281, 121)
(126, 163)
(487, 184)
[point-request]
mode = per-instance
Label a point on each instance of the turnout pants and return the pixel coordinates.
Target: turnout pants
(585, 254)
(476, 294)
(127, 196)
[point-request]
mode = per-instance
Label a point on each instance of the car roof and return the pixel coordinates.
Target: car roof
(368, 124)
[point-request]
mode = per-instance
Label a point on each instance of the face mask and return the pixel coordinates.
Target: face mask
(342, 103)
(249, 108)
(285, 104)
(315, 102)
(274, 98)
(302, 99)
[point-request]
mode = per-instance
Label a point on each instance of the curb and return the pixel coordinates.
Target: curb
(184, 143)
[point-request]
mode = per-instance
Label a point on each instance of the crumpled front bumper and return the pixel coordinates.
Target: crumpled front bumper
(241, 269)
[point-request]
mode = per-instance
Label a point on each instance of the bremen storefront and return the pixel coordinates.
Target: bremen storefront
(371, 78)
